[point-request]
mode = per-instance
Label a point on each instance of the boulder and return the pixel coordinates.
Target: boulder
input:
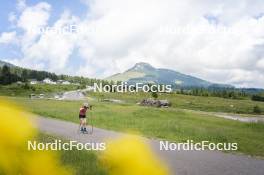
(155, 103)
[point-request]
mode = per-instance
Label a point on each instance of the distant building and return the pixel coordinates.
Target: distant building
(90, 88)
(48, 81)
(33, 81)
(41, 95)
(32, 96)
(66, 83)
(60, 81)
(63, 82)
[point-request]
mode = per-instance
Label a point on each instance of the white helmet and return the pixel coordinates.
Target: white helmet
(86, 105)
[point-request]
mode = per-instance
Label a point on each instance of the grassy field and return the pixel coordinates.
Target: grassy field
(81, 162)
(21, 90)
(212, 104)
(172, 124)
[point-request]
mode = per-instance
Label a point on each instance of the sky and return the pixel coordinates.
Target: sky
(220, 41)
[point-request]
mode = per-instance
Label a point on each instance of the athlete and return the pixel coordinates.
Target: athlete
(82, 117)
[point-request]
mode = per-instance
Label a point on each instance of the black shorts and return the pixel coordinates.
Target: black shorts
(82, 116)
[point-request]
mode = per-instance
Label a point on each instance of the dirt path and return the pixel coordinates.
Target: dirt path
(238, 117)
(73, 95)
(179, 162)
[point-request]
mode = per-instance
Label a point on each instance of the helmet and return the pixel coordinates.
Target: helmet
(86, 105)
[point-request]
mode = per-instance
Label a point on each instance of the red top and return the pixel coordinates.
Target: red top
(83, 111)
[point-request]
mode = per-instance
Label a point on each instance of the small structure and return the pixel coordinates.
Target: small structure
(59, 81)
(33, 81)
(90, 88)
(64, 82)
(48, 81)
(155, 103)
(32, 96)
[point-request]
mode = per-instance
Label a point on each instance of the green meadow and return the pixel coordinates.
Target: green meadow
(25, 90)
(211, 104)
(173, 124)
(79, 162)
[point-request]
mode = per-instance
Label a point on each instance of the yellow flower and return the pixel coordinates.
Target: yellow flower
(131, 156)
(43, 162)
(16, 129)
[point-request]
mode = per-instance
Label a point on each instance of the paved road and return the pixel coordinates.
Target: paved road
(73, 95)
(179, 162)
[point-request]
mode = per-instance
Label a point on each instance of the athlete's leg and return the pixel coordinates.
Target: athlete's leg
(81, 124)
(84, 122)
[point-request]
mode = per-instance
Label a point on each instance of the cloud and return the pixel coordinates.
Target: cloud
(220, 41)
(8, 38)
(21, 5)
(178, 35)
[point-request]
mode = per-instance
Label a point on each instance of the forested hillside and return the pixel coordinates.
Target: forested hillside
(10, 74)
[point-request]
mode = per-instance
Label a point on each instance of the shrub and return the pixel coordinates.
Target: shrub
(256, 110)
(257, 98)
(154, 95)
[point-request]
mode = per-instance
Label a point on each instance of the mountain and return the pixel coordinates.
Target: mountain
(2, 63)
(146, 73)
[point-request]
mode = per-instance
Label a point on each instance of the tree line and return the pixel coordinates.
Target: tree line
(9, 75)
(257, 97)
(230, 93)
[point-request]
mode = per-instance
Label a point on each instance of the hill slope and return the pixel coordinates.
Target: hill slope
(17, 73)
(145, 73)
(2, 63)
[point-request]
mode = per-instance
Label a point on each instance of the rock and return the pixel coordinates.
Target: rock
(155, 103)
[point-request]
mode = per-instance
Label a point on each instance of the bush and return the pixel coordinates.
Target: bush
(26, 86)
(256, 110)
(257, 98)
(154, 95)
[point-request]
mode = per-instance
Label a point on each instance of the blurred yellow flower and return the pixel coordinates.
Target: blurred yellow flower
(131, 156)
(16, 129)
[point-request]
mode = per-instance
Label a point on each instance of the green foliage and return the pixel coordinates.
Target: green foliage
(154, 95)
(201, 103)
(25, 89)
(11, 74)
(80, 161)
(7, 77)
(256, 110)
(230, 93)
(172, 124)
(257, 98)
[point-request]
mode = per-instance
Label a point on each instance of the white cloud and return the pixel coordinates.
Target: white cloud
(32, 18)
(175, 34)
(260, 63)
(12, 17)
(8, 38)
(21, 5)
(166, 33)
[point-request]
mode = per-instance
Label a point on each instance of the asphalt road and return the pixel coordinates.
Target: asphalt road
(179, 162)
